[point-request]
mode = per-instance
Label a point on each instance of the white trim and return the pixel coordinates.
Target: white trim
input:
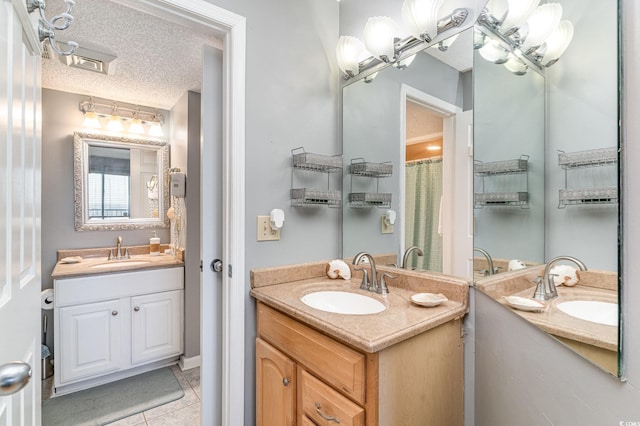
(424, 138)
(232, 28)
(189, 363)
(30, 25)
(447, 111)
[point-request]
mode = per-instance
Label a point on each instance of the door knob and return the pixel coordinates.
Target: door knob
(216, 265)
(13, 377)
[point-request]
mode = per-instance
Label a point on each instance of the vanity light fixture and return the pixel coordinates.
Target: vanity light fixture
(382, 44)
(116, 115)
(531, 35)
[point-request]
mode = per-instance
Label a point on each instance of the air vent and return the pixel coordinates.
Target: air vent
(91, 60)
(46, 53)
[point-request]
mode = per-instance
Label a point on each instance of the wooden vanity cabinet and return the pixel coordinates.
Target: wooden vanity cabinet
(300, 370)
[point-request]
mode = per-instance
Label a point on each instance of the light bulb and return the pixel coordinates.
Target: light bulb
(558, 42)
(378, 34)
(114, 124)
(91, 120)
(136, 126)
(542, 22)
(421, 18)
(515, 65)
(498, 9)
(519, 11)
(156, 129)
(494, 51)
(348, 52)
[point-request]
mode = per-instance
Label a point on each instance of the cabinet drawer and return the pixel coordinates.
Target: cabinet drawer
(325, 406)
(337, 364)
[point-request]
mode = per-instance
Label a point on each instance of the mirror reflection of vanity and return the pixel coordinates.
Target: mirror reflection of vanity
(120, 182)
(570, 107)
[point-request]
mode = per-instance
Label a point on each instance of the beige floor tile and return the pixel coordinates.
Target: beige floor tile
(135, 420)
(187, 416)
(188, 399)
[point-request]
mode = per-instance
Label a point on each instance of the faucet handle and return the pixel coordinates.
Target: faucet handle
(364, 285)
(110, 254)
(126, 253)
(383, 289)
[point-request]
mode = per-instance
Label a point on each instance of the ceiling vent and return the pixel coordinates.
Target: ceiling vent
(91, 60)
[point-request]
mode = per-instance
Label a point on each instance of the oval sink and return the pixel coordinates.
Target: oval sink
(342, 302)
(121, 263)
(598, 312)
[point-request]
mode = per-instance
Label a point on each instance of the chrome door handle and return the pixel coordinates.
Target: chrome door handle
(13, 377)
(216, 265)
(325, 416)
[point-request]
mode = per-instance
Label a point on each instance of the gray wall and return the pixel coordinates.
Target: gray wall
(60, 118)
(185, 153)
(292, 99)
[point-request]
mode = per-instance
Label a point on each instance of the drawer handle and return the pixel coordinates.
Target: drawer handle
(285, 381)
(114, 313)
(324, 416)
(137, 308)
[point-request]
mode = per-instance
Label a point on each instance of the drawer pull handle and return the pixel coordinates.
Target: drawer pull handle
(324, 416)
(285, 381)
(114, 313)
(137, 308)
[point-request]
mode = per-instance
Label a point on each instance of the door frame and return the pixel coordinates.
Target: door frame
(232, 29)
(448, 113)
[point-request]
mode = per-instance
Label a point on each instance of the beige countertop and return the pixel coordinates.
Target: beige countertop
(93, 257)
(594, 286)
(401, 320)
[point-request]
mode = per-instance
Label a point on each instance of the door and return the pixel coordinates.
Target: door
(19, 214)
(91, 336)
(275, 386)
(156, 326)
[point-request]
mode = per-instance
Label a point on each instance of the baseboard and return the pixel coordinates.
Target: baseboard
(189, 363)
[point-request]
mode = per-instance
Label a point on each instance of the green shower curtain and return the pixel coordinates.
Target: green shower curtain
(422, 213)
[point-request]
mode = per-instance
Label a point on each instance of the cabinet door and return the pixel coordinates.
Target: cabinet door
(156, 326)
(90, 337)
(275, 386)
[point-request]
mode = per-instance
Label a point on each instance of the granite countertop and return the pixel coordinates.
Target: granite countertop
(93, 257)
(593, 285)
(370, 333)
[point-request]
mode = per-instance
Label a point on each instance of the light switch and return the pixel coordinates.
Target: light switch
(265, 232)
(385, 227)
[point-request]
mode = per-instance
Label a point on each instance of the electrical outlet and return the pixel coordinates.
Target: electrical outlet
(265, 232)
(384, 228)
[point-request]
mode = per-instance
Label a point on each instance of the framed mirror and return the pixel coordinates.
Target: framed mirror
(120, 183)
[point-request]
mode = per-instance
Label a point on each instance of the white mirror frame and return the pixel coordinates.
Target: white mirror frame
(81, 143)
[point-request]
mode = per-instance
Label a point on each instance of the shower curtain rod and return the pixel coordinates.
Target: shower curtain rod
(424, 161)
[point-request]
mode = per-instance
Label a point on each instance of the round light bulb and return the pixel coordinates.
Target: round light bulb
(558, 42)
(542, 22)
(348, 52)
(515, 65)
(379, 33)
(421, 18)
(494, 51)
(519, 11)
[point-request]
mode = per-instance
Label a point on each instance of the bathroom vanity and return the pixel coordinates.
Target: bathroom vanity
(400, 366)
(116, 319)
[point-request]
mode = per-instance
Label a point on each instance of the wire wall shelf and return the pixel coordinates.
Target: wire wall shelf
(369, 199)
(367, 169)
(583, 196)
(507, 167)
(483, 199)
(303, 162)
(589, 158)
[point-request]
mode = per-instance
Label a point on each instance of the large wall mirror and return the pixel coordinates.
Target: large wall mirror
(539, 121)
(120, 183)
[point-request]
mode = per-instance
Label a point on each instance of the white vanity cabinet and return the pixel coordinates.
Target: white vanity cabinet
(111, 326)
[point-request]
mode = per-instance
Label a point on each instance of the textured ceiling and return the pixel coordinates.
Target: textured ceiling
(422, 124)
(157, 60)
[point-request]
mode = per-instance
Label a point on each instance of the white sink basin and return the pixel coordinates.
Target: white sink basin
(120, 263)
(342, 302)
(598, 312)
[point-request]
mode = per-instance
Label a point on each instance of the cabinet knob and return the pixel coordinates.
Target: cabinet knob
(137, 308)
(114, 313)
(285, 381)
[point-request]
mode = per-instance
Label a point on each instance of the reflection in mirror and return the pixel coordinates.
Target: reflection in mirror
(119, 182)
(565, 121)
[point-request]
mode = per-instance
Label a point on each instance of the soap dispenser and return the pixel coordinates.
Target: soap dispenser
(154, 245)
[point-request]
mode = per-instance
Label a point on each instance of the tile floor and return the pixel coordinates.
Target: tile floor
(182, 412)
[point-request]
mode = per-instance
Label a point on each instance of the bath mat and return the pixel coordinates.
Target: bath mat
(113, 401)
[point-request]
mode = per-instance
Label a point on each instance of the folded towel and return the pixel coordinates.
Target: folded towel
(338, 268)
(565, 275)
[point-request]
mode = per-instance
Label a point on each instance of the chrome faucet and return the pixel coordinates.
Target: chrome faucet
(407, 253)
(371, 285)
(119, 255)
(490, 270)
(546, 288)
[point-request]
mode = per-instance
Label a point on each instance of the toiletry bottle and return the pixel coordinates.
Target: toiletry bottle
(154, 245)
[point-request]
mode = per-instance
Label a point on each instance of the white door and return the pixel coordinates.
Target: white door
(463, 196)
(19, 216)
(211, 193)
